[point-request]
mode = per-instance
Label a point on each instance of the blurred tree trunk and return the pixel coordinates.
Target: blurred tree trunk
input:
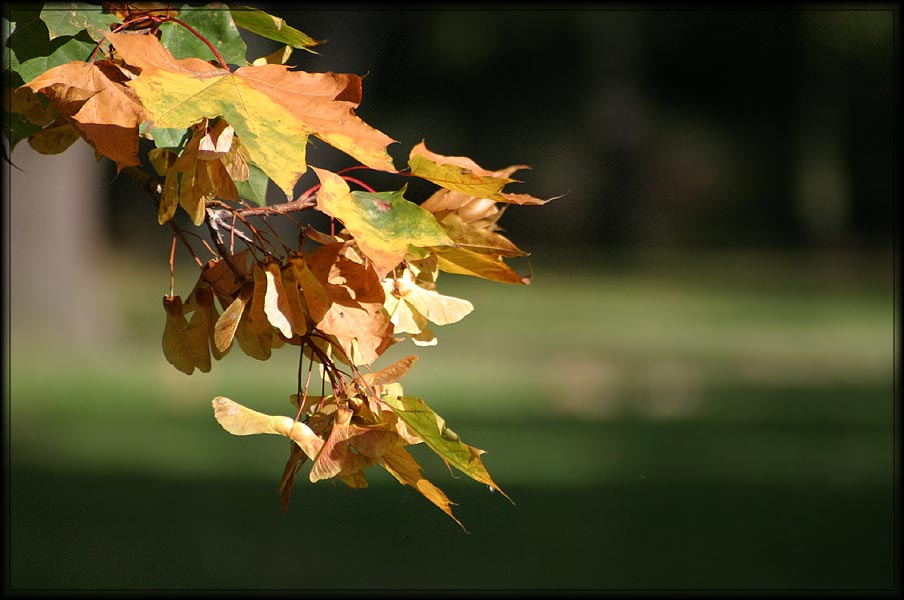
(56, 243)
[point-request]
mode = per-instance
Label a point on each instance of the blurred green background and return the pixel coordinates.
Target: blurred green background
(697, 391)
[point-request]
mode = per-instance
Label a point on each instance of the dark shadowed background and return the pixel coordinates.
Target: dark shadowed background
(695, 392)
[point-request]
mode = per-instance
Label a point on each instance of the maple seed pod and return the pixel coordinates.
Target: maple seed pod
(224, 330)
(295, 311)
(449, 435)
(175, 343)
(257, 321)
(276, 302)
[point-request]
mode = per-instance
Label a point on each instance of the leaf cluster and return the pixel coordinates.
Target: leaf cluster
(169, 97)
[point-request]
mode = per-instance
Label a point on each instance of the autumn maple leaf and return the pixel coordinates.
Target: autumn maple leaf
(273, 110)
(105, 112)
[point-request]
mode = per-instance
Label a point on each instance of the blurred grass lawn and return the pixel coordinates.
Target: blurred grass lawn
(696, 422)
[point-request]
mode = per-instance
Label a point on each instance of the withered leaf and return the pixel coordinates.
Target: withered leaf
(478, 239)
(55, 138)
(345, 299)
(106, 113)
(477, 264)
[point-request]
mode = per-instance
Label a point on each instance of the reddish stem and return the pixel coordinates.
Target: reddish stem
(200, 37)
(353, 168)
(307, 194)
(359, 182)
(157, 21)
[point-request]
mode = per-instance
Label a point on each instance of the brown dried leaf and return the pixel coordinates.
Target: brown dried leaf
(476, 264)
(345, 299)
(105, 112)
(54, 139)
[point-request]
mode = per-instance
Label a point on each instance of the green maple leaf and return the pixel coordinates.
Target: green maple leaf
(216, 26)
(274, 28)
(384, 224)
(71, 18)
(432, 429)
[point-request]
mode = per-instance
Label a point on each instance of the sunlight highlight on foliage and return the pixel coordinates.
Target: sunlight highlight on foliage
(169, 96)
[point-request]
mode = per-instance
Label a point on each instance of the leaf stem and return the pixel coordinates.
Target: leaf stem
(172, 267)
(359, 182)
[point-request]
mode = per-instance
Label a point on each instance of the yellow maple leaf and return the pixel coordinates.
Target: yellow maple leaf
(461, 174)
(274, 110)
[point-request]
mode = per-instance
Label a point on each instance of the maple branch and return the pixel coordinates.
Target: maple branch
(278, 209)
(221, 248)
(309, 192)
(154, 189)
